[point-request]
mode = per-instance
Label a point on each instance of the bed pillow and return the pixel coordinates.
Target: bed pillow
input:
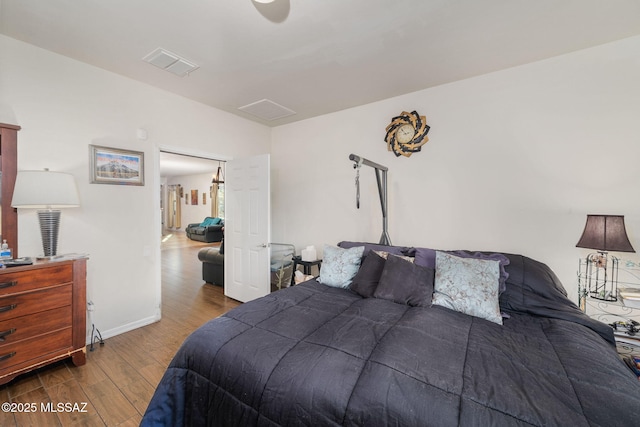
(405, 283)
(339, 266)
(385, 255)
(427, 258)
(366, 280)
(468, 285)
(501, 258)
(396, 250)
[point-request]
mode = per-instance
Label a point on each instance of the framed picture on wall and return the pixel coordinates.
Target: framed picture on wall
(194, 197)
(116, 166)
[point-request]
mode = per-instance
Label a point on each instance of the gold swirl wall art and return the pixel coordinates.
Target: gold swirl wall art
(407, 133)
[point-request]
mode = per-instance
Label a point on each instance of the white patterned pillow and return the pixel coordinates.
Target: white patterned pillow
(339, 266)
(468, 285)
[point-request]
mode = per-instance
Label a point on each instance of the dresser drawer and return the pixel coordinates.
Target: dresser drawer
(21, 281)
(23, 351)
(24, 327)
(13, 306)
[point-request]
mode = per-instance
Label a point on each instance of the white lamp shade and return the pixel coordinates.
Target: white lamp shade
(45, 189)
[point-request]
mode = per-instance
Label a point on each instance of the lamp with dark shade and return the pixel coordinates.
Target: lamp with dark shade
(46, 191)
(599, 279)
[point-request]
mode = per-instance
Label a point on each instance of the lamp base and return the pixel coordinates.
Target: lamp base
(48, 258)
(601, 276)
(49, 225)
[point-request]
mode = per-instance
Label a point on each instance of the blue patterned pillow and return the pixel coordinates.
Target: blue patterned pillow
(468, 285)
(339, 266)
(426, 257)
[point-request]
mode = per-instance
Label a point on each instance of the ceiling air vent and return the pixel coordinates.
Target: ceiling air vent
(267, 110)
(170, 62)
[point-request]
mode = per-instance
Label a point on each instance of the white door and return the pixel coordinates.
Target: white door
(247, 229)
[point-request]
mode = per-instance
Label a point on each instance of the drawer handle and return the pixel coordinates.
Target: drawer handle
(5, 334)
(8, 284)
(8, 308)
(7, 356)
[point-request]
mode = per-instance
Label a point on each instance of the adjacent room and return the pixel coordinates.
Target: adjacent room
(450, 187)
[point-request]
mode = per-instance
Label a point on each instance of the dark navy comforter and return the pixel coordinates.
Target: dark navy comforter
(315, 355)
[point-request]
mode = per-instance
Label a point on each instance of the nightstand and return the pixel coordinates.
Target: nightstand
(629, 352)
(306, 266)
(611, 311)
(626, 321)
(628, 346)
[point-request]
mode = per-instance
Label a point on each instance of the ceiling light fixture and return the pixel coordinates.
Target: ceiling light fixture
(218, 178)
(264, 1)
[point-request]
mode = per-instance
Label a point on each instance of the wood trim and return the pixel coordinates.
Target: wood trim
(79, 318)
(8, 126)
(9, 168)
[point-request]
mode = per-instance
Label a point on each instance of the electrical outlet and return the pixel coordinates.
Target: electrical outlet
(90, 306)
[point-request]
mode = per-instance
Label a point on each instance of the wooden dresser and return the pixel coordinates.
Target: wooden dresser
(42, 315)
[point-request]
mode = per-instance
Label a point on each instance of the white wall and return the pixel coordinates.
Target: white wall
(63, 106)
(201, 182)
(515, 161)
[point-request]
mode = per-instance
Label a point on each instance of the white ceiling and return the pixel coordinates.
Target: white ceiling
(314, 57)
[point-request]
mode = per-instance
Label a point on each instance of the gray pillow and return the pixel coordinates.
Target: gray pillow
(405, 283)
(367, 278)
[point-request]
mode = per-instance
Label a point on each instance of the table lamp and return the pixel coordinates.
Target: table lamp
(603, 233)
(48, 192)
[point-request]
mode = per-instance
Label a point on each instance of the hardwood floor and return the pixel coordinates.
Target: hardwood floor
(120, 377)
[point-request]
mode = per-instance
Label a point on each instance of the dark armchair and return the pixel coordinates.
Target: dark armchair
(212, 265)
(210, 230)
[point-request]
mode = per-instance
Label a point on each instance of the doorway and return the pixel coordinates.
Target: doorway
(252, 220)
(186, 172)
(191, 189)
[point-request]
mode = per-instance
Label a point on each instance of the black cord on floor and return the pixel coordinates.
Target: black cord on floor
(95, 336)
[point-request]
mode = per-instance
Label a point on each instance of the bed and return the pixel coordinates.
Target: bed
(315, 354)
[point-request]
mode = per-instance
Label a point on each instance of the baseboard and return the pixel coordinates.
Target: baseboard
(124, 328)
